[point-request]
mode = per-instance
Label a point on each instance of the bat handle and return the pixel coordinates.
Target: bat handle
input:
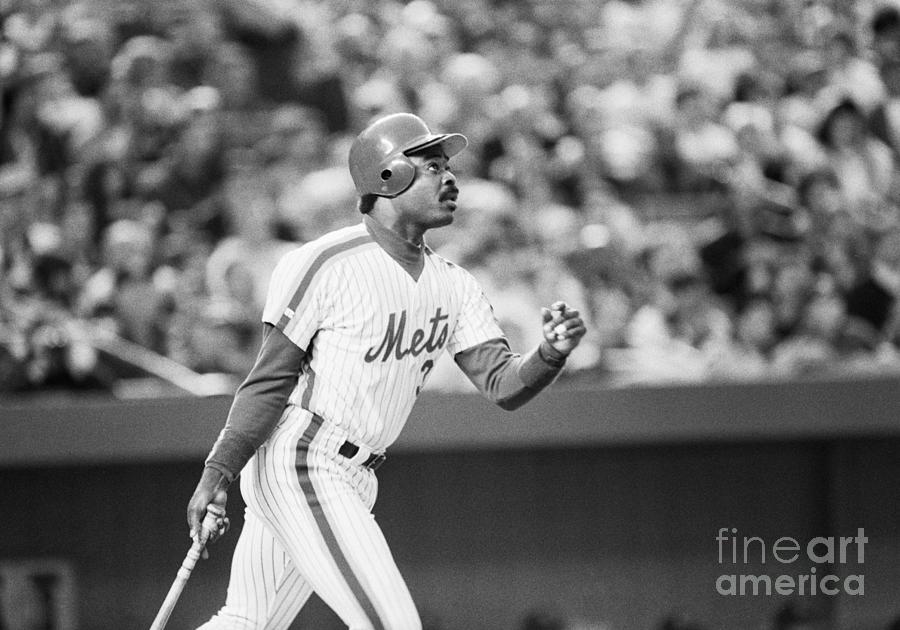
(209, 525)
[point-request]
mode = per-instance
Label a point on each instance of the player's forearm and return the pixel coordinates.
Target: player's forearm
(258, 404)
(508, 379)
(250, 420)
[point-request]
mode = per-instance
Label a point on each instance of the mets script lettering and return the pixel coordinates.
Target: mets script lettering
(392, 344)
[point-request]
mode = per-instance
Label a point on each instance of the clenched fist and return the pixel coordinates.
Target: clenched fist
(563, 327)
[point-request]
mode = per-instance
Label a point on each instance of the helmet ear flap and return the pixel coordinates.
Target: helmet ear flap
(396, 175)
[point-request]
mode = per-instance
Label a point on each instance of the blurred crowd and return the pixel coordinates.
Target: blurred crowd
(712, 182)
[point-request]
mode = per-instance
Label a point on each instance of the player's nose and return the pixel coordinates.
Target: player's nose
(449, 179)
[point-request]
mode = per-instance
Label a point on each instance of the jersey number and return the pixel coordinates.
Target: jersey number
(426, 368)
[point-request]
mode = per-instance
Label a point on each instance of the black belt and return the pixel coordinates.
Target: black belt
(373, 461)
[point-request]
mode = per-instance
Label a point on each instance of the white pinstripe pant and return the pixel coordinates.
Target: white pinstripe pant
(309, 527)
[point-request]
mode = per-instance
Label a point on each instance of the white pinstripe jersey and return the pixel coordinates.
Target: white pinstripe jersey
(371, 331)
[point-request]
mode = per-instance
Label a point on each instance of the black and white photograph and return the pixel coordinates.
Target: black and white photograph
(450, 314)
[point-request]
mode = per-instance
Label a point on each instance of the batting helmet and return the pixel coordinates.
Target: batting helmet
(378, 157)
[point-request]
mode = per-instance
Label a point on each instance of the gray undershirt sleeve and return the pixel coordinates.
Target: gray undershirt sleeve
(506, 378)
(258, 403)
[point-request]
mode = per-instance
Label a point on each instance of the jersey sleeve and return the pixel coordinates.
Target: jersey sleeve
(258, 403)
(476, 322)
(295, 302)
(506, 378)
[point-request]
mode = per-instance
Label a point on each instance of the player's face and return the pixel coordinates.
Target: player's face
(431, 200)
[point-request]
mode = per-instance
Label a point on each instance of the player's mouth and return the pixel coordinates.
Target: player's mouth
(448, 198)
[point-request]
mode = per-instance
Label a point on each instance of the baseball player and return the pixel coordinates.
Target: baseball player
(353, 324)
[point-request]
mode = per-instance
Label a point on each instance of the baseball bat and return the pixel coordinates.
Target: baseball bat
(213, 513)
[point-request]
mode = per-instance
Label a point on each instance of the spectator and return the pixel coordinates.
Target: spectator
(31, 25)
(849, 73)
(704, 147)
(87, 49)
(294, 145)
(218, 330)
(755, 335)
(191, 168)
(195, 33)
(813, 343)
(873, 301)
(836, 241)
(884, 121)
(123, 288)
(862, 163)
(805, 79)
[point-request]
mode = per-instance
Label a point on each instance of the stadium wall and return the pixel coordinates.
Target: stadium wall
(602, 504)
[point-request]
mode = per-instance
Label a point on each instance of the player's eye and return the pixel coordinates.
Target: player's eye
(433, 167)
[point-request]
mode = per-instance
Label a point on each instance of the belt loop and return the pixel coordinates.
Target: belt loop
(362, 454)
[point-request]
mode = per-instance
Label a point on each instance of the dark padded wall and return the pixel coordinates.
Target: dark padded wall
(622, 534)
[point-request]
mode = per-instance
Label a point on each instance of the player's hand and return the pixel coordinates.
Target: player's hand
(563, 327)
(210, 491)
